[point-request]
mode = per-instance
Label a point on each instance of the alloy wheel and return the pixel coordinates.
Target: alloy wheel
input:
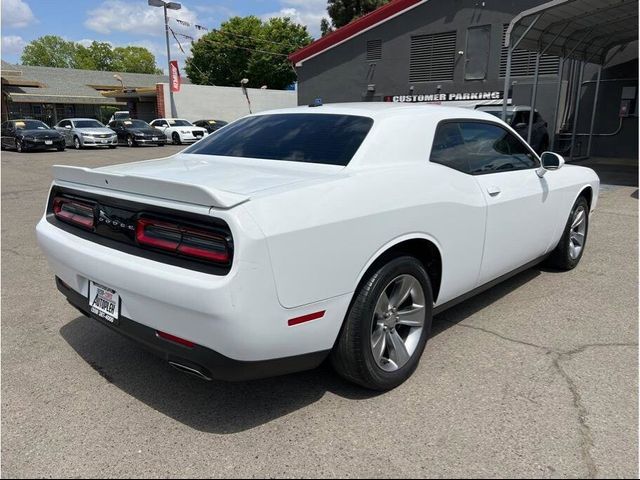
(398, 320)
(578, 232)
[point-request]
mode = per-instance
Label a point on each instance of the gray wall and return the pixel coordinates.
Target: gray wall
(195, 102)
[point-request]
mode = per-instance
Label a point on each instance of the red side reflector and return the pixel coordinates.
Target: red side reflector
(73, 212)
(306, 318)
(174, 339)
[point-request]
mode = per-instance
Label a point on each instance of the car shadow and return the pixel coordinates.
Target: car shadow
(226, 408)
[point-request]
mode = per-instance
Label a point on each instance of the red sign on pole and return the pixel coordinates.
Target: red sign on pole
(174, 76)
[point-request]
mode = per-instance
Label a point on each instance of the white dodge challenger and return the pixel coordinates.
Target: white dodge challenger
(295, 235)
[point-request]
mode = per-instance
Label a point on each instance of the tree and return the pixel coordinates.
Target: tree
(50, 51)
(343, 11)
(54, 51)
(246, 47)
(325, 27)
(134, 60)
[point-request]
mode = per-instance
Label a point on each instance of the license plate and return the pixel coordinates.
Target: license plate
(154, 139)
(48, 142)
(105, 141)
(103, 301)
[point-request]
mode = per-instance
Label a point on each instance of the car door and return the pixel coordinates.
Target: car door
(522, 208)
(8, 135)
(64, 131)
(4, 133)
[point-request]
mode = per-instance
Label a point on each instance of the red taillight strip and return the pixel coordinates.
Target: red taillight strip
(85, 221)
(174, 339)
(306, 318)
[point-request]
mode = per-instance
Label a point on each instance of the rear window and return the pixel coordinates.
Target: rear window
(297, 137)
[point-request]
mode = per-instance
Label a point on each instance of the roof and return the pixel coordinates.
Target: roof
(68, 85)
(584, 30)
(354, 28)
(381, 110)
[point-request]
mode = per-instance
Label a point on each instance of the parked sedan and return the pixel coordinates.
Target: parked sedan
(179, 130)
(137, 132)
(86, 132)
(23, 135)
(210, 125)
(299, 234)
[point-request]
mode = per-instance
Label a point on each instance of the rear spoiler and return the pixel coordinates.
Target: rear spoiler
(149, 186)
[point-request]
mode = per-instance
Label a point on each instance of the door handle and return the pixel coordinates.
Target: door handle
(493, 190)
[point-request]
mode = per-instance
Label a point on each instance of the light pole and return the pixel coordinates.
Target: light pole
(167, 6)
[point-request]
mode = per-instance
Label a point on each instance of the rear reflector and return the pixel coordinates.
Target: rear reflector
(174, 339)
(200, 244)
(306, 318)
(74, 212)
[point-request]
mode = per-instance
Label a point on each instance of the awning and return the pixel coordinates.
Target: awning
(44, 98)
(584, 30)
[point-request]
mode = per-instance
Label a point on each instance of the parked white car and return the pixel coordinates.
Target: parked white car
(179, 130)
(297, 234)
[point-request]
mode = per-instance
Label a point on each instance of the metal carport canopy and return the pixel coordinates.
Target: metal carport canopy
(583, 30)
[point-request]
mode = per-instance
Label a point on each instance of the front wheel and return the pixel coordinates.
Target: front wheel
(76, 143)
(130, 141)
(568, 253)
(176, 138)
(387, 326)
(19, 146)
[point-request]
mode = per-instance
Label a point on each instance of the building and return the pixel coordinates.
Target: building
(453, 52)
(50, 94)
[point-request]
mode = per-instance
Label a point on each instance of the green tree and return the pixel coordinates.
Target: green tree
(343, 11)
(325, 27)
(54, 51)
(134, 60)
(50, 51)
(246, 47)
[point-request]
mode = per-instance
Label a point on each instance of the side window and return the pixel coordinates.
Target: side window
(478, 148)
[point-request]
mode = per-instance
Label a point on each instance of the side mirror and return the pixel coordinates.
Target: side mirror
(68, 127)
(549, 161)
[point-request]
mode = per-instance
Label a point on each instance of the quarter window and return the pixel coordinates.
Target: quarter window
(478, 148)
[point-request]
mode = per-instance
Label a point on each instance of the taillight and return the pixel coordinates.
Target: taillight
(74, 212)
(187, 241)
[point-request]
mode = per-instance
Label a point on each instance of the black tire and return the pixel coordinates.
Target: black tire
(161, 144)
(561, 257)
(130, 141)
(175, 137)
(60, 149)
(19, 146)
(76, 143)
(352, 356)
(112, 147)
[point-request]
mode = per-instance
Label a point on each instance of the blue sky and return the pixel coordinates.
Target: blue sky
(133, 22)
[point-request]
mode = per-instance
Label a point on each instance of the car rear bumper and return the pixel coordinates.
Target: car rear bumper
(236, 315)
(196, 360)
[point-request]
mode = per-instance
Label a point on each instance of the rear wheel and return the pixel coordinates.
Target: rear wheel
(387, 326)
(176, 138)
(571, 247)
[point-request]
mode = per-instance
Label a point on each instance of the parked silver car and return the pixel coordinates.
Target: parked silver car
(86, 132)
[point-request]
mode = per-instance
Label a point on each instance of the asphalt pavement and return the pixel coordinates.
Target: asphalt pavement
(537, 377)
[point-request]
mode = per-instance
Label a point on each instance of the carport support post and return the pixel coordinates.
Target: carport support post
(557, 112)
(577, 113)
(534, 94)
(507, 76)
(593, 111)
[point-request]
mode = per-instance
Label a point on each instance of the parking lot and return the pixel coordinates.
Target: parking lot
(537, 377)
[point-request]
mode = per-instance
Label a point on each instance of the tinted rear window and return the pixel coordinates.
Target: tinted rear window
(297, 137)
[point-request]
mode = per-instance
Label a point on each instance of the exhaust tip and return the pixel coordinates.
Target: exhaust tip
(194, 370)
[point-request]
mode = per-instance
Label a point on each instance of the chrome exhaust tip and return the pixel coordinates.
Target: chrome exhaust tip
(191, 370)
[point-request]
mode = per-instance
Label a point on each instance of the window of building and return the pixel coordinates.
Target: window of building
(479, 148)
(432, 57)
(374, 50)
(523, 62)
